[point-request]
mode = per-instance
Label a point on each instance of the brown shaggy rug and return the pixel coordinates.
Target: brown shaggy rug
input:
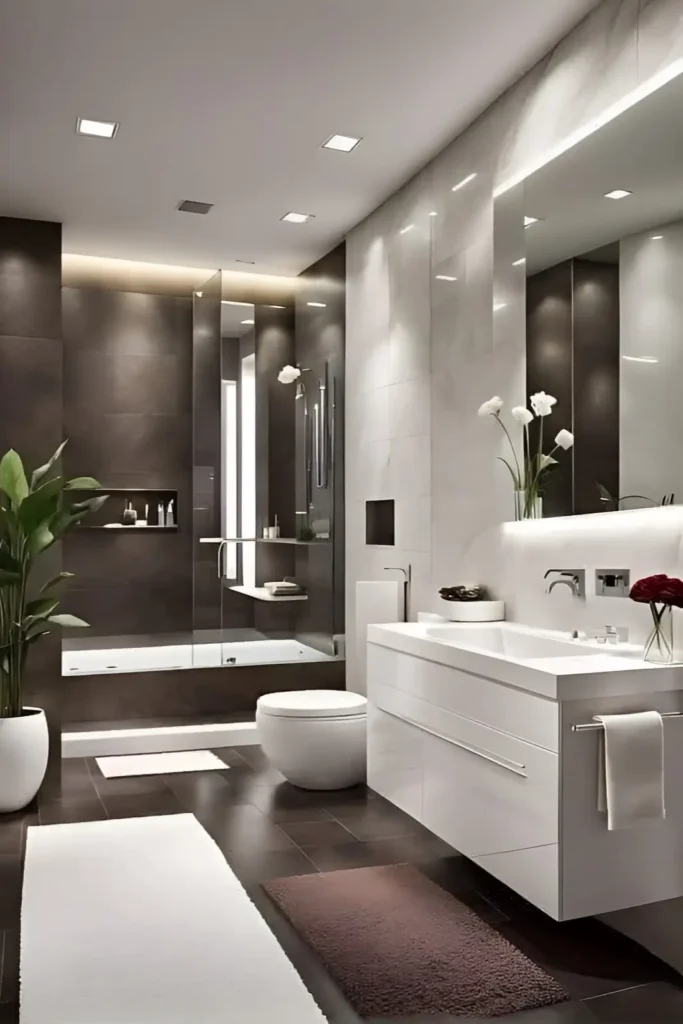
(399, 945)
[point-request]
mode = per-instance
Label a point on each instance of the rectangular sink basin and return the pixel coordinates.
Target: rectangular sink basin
(509, 643)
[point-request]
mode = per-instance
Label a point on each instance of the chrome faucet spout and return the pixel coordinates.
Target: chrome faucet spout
(572, 584)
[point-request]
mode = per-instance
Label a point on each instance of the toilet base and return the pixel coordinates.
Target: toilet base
(315, 753)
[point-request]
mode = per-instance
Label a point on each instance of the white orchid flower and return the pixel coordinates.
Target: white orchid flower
(288, 374)
(542, 404)
(522, 415)
(565, 439)
(492, 407)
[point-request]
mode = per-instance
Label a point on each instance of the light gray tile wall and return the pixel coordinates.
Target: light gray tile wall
(422, 354)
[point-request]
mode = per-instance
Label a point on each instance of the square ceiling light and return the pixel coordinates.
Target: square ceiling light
(297, 218)
(100, 129)
(617, 193)
(342, 143)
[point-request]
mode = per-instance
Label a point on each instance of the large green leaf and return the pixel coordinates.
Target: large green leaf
(42, 472)
(40, 505)
(8, 562)
(8, 578)
(40, 539)
(82, 483)
(12, 477)
(41, 607)
(68, 620)
(55, 581)
(90, 504)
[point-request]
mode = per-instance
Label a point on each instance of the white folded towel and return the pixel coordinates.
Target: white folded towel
(631, 769)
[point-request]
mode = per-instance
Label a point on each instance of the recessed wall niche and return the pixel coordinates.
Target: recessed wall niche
(379, 522)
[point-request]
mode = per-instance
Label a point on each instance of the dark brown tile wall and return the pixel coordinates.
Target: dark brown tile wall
(128, 417)
(31, 397)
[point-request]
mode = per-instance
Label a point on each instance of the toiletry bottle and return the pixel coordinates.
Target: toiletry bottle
(160, 514)
(277, 528)
(169, 515)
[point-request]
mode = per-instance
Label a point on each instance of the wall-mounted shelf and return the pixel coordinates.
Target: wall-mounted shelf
(264, 540)
(261, 594)
(130, 529)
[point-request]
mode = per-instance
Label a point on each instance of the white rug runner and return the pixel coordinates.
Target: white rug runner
(141, 921)
(160, 764)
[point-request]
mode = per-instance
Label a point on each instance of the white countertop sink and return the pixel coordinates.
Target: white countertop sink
(540, 661)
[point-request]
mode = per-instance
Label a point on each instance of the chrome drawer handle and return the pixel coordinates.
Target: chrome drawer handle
(502, 762)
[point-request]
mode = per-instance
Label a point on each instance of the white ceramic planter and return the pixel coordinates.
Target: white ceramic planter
(23, 758)
(473, 611)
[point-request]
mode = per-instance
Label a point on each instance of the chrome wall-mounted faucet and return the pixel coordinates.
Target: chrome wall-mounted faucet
(575, 579)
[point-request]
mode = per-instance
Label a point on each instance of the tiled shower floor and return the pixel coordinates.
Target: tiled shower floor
(266, 829)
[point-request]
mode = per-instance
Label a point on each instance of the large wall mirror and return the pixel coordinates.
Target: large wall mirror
(589, 249)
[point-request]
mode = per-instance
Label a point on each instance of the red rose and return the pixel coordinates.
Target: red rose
(659, 588)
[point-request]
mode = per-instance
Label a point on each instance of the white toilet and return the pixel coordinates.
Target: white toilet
(316, 738)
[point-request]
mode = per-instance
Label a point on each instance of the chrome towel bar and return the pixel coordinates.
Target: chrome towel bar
(585, 726)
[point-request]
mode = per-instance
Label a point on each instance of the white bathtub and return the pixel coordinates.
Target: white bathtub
(151, 659)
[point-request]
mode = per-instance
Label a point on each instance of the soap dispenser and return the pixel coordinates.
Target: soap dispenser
(170, 521)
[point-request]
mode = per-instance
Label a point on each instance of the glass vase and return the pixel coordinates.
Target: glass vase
(659, 648)
(528, 506)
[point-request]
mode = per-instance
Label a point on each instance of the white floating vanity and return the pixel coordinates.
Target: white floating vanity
(470, 731)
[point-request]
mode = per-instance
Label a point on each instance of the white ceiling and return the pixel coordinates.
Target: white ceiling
(640, 151)
(228, 102)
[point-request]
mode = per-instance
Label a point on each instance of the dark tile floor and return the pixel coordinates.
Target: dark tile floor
(266, 829)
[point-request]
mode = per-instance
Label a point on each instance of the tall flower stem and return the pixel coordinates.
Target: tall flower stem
(512, 448)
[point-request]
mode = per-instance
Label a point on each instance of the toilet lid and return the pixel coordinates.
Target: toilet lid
(312, 704)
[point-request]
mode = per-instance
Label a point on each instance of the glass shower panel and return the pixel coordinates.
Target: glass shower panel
(207, 472)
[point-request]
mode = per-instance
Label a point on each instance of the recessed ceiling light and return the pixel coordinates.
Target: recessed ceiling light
(640, 359)
(445, 277)
(100, 129)
(617, 193)
(278, 307)
(465, 181)
(297, 218)
(528, 221)
(232, 302)
(321, 305)
(199, 294)
(192, 206)
(656, 238)
(519, 262)
(248, 323)
(342, 143)
(433, 214)
(405, 230)
(499, 305)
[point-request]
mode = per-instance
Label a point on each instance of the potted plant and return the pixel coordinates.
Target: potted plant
(33, 516)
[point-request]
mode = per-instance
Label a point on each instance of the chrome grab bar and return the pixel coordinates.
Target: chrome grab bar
(502, 762)
(590, 726)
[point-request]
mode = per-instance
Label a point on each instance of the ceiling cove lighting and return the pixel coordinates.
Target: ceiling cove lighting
(199, 294)
(232, 302)
(645, 89)
(656, 238)
(248, 323)
(342, 143)
(297, 218)
(640, 359)
(445, 277)
(465, 181)
(499, 305)
(617, 193)
(405, 230)
(528, 221)
(520, 262)
(319, 305)
(100, 129)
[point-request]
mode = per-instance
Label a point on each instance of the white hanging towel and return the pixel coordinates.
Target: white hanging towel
(631, 769)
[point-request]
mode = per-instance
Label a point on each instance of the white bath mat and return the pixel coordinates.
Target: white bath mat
(160, 764)
(141, 920)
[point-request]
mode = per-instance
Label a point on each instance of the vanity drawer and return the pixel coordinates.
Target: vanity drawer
(483, 791)
(395, 763)
(505, 708)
